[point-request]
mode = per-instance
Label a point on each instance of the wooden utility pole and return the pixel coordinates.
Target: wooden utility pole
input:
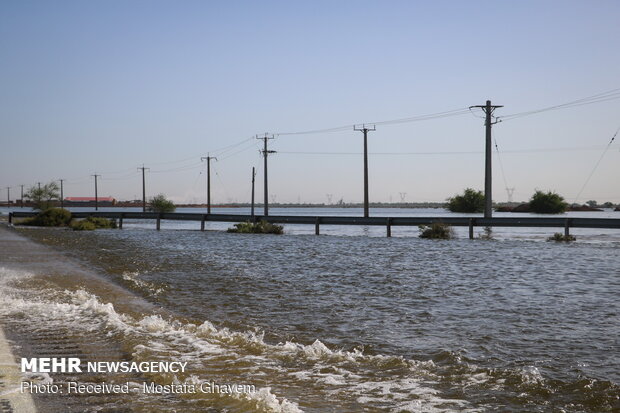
(266, 153)
(8, 196)
(365, 130)
(143, 187)
(253, 179)
(96, 196)
(62, 195)
(488, 109)
(21, 201)
(208, 159)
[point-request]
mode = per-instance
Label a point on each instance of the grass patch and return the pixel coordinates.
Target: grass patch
(92, 223)
(487, 234)
(559, 237)
(51, 217)
(261, 227)
(438, 230)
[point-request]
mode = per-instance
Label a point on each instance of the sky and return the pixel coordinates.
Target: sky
(106, 87)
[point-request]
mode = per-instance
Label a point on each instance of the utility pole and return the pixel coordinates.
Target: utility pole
(208, 159)
(266, 153)
(488, 109)
(62, 195)
(365, 130)
(96, 196)
(253, 179)
(8, 196)
(21, 201)
(143, 188)
(39, 183)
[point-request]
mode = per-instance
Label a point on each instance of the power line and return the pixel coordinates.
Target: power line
(222, 184)
(509, 191)
(120, 178)
(418, 118)
(223, 150)
(180, 169)
(239, 151)
(597, 164)
(598, 98)
(534, 150)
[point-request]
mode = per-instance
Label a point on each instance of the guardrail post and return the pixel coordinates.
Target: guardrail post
(471, 228)
(10, 217)
(389, 227)
(158, 222)
(317, 224)
(566, 227)
(120, 221)
(202, 223)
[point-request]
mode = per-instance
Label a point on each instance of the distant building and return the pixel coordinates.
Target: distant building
(86, 201)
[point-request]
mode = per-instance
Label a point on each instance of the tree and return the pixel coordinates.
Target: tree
(547, 203)
(42, 197)
(159, 203)
(592, 203)
(608, 204)
(470, 201)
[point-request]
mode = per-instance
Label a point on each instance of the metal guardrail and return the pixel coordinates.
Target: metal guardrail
(388, 222)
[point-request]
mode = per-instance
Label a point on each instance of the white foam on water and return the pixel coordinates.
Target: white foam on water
(531, 375)
(334, 372)
(267, 400)
(133, 278)
(85, 312)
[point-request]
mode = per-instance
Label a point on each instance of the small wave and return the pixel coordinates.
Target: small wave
(133, 279)
(217, 352)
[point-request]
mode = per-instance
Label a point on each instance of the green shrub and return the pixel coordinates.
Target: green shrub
(470, 201)
(91, 223)
(51, 217)
(547, 203)
(558, 236)
(437, 230)
(102, 222)
(261, 227)
(82, 225)
(159, 203)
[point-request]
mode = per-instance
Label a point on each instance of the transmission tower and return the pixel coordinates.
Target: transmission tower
(510, 191)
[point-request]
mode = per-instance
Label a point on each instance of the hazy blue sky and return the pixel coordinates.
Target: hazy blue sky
(104, 87)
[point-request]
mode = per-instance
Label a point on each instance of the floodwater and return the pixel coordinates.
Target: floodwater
(348, 322)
